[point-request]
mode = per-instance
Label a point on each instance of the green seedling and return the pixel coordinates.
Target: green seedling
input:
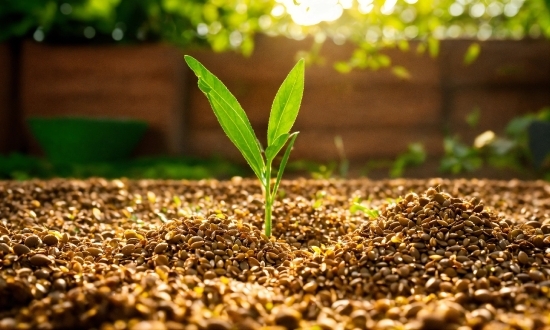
(371, 213)
(319, 199)
(356, 206)
(236, 125)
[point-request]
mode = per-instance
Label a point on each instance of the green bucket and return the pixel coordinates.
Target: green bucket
(87, 140)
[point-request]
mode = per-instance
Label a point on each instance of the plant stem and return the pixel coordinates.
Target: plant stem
(268, 201)
(268, 209)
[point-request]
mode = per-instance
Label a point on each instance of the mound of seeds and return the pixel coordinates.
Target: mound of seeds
(441, 254)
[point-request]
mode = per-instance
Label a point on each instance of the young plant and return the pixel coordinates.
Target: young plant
(236, 125)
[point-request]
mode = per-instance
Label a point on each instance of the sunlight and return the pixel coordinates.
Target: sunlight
(311, 12)
(387, 8)
(365, 6)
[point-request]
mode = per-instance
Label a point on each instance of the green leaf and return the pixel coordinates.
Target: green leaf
(272, 151)
(284, 161)
(421, 48)
(472, 53)
(210, 13)
(383, 60)
(231, 117)
(371, 213)
(401, 72)
(472, 119)
(204, 87)
(433, 47)
(342, 67)
(286, 103)
(403, 45)
(220, 41)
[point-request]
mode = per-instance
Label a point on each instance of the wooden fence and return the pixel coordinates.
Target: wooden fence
(376, 114)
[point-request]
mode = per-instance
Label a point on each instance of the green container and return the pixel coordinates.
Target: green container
(87, 140)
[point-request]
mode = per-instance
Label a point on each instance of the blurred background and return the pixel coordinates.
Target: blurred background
(394, 88)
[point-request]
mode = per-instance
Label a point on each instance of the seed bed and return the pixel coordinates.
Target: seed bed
(448, 254)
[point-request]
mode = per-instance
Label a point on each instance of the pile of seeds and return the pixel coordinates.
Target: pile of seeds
(441, 254)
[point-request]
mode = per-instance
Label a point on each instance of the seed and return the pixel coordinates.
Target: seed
(403, 221)
(97, 213)
(514, 234)
(94, 251)
(132, 241)
(439, 198)
(288, 318)
(372, 255)
(475, 219)
(130, 234)
(64, 238)
(419, 245)
(392, 278)
(21, 249)
(197, 245)
(342, 307)
(388, 324)
(469, 223)
(60, 284)
(522, 257)
(50, 240)
(483, 295)
(446, 286)
(148, 325)
(128, 249)
(412, 310)
(209, 275)
(42, 273)
(39, 260)
(404, 271)
(442, 223)
(453, 312)
(33, 241)
(253, 262)
(161, 247)
(359, 318)
(195, 239)
(218, 324)
(483, 314)
(523, 277)
(5, 248)
(462, 285)
(219, 252)
(310, 287)
(326, 323)
(161, 260)
(536, 275)
(432, 284)
(431, 320)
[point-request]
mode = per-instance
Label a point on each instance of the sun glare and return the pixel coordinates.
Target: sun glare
(311, 12)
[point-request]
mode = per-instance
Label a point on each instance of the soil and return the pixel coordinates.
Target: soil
(441, 254)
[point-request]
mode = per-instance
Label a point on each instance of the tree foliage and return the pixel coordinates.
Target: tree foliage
(231, 24)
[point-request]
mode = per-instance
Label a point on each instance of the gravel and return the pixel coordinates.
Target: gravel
(120, 254)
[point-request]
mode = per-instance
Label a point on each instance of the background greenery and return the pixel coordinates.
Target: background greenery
(224, 25)
(231, 24)
(508, 152)
(22, 167)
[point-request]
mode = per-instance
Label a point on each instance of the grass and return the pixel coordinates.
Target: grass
(24, 167)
